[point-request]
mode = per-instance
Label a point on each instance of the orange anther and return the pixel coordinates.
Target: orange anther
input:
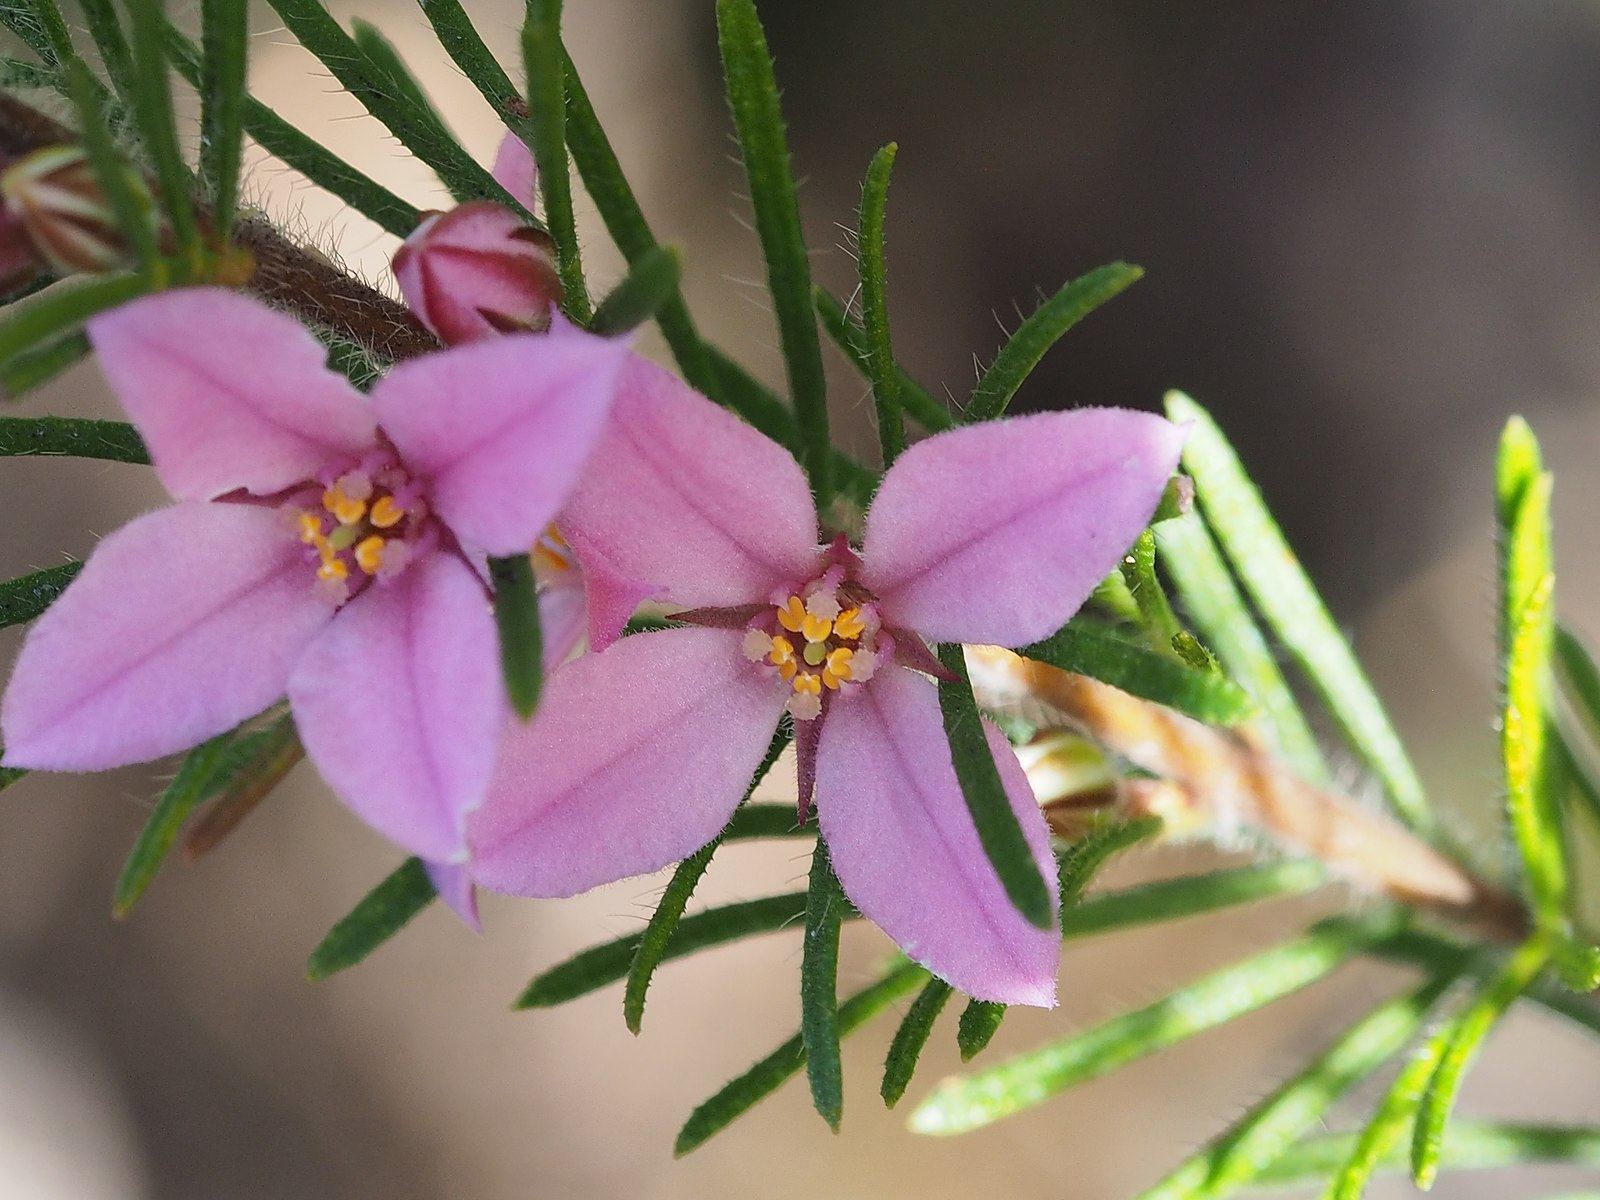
(386, 514)
(369, 554)
(792, 615)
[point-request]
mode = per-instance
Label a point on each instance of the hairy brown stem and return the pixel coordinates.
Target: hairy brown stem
(1227, 779)
(306, 283)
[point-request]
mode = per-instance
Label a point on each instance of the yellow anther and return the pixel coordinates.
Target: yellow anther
(808, 684)
(792, 615)
(837, 669)
(369, 554)
(850, 624)
(782, 651)
(386, 514)
(346, 511)
(310, 529)
(332, 569)
(787, 668)
(815, 629)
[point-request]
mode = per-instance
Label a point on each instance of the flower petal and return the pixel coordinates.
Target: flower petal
(515, 170)
(184, 622)
(400, 705)
(561, 619)
(636, 757)
(691, 502)
(500, 429)
(455, 887)
(907, 853)
(997, 533)
(227, 393)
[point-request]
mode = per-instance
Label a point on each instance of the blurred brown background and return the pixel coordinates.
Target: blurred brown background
(1370, 231)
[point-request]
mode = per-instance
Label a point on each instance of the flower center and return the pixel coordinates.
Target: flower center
(370, 522)
(817, 643)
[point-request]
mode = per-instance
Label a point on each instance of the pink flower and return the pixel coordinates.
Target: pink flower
(323, 543)
(993, 533)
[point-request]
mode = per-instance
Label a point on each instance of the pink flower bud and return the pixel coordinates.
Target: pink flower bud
(56, 200)
(477, 271)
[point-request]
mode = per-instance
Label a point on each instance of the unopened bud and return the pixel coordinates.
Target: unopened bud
(477, 271)
(54, 195)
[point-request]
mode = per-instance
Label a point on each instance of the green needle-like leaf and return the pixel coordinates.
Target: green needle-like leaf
(819, 976)
(123, 191)
(62, 309)
(1035, 336)
(115, 441)
(158, 128)
(1190, 896)
(516, 615)
(101, 18)
(651, 283)
(664, 921)
(768, 1075)
(24, 598)
(382, 913)
(992, 814)
(753, 97)
(34, 368)
(191, 785)
(224, 38)
(752, 821)
(1084, 857)
(390, 72)
(38, 23)
(971, 1102)
(1459, 1042)
(1155, 613)
(918, 402)
(1468, 1145)
(1284, 595)
(1213, 602)
(873, 270)
(1236, 1157)
(1579, 677)
(547, 118)
(467, 50)
(980, 1021)
(911, 1037)
(1206, 696)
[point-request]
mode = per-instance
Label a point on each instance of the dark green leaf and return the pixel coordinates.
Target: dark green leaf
(380, 915)
(467, 50)
(980, 1021)
(37, 367)
(516, 615)
(1204, 695)
(24, 598)
(112, 440)
(992, 814)
(819, 1000)
(152, 104)
(542, 56)
(1035, 336)
(106, 30)
(1190, 896)
(38, 23)
(651, 282)
(62, 309)
(873, 269)
(753, 97)
(252, 766)
(911, 1037)
(389, 71)
(766, 821)
(191, 785)
(1083, 858)
(224, 38)
(1139, 571)
(919, 403)
(761, 1080)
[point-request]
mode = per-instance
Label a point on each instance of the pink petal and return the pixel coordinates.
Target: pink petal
(906, 851)
(400, 705)
(455, 887)
(515, 170)
(997, 533)
(184, 622)
(636, 758)
(499, 430)
(690, 502)
(611, 600)
(228, 393)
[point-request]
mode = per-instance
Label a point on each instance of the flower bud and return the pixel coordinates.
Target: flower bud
(56, 199)
(477, 271)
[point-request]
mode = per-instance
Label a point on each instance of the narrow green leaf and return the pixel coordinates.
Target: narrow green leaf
(980, 1021)
(516, 615)
(664, 921)
(911, 1037)
(873, 269)
(16, 73)
(252, 766)
(766, 821)
(1213, 602)
(1522, 522)
(992, 814)
(389, 71)
(189, 787)
(1190, 896)
(768, 1075)
(1204, 695)
(158, 129)
(1035, 336)
(313, 160)
(24, 598)
(419, 133)
(1468, 1145)
(1534, 819)
(62, 309)
(547, 119)
(467, 50)
(123, 190)
(753, 97)
(116, 441)
(381, 914)
(1284, 595)
(10, 775)
(1083, 858)
(1459, 1041)
(106, 30)
(651, 282)
(224, 38)
(971, 1102)
(1139, 571)
(819, 975)
(918, 402)
(38, 23)
(1579, 678)
(34, 368)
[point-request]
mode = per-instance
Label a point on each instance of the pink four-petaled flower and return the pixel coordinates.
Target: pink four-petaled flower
(324, 544)
(990, 534)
